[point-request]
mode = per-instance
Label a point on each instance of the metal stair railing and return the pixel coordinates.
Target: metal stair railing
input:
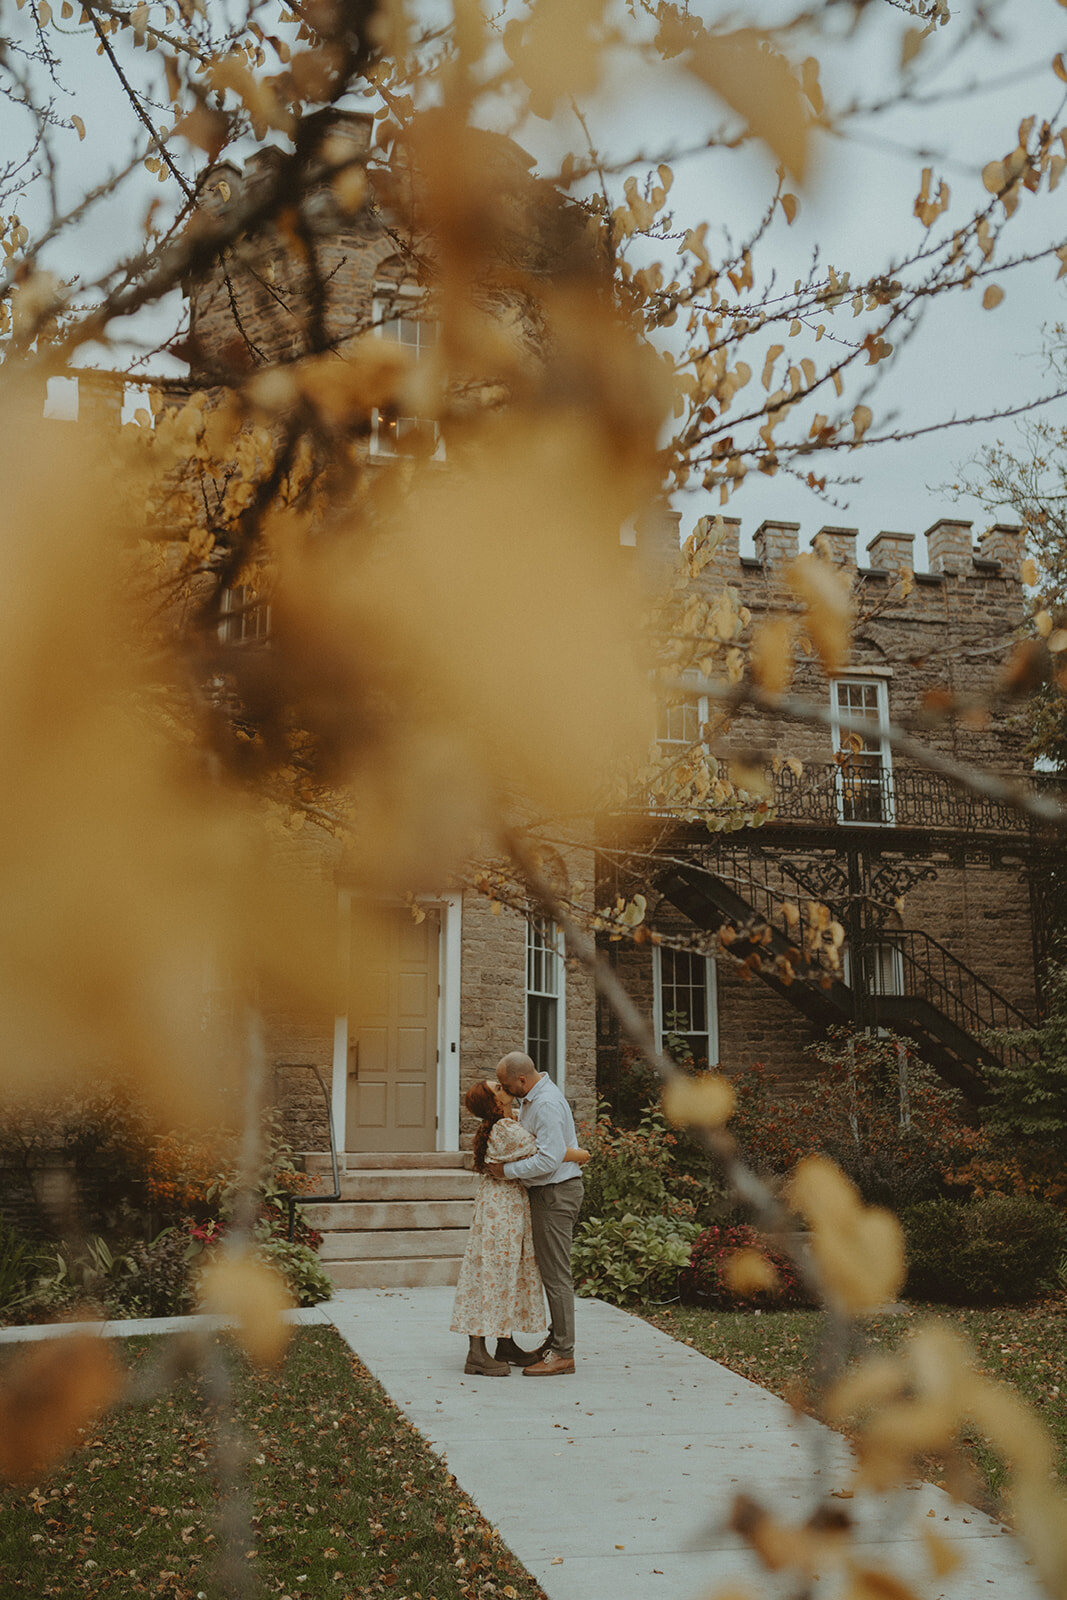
(931, 972)
(294, 1200)
(929, 969)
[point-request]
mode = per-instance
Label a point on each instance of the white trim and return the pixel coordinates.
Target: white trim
(339, 1082)
(386, 296)
(711, 1000)
(886, 755)
(449, 957)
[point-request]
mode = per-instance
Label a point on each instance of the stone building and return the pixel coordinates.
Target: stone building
(938, 890)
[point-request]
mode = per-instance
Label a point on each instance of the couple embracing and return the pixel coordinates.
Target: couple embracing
(527, 1202)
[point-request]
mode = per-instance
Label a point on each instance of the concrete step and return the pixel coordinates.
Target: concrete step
(391, 1214)
(419, 1273)
(390, 1160)
(406, 1243)
(409, 1184)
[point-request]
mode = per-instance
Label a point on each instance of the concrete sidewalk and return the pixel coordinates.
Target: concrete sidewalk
(614, 1482)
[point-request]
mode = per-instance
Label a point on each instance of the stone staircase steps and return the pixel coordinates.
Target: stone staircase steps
(416, 1273)
(395, 1245)
(401, 1222)
(391, 1160)
(348, 1216)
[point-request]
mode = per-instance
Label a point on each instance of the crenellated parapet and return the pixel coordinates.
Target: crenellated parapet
(954, 555)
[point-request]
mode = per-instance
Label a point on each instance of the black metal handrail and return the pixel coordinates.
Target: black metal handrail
(928, 969)
(931, 972)
(860, 791)
(294, 1200)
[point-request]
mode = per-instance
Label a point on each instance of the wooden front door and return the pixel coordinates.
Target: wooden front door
(392, 1030)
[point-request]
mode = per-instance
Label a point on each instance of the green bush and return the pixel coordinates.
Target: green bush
(630, 1257)
(647, 1171)
(157, 1280)
(300, 1267)
(983, 1252)
(18, 1261)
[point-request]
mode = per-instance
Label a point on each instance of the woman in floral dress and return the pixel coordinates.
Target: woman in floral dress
(499, 1290)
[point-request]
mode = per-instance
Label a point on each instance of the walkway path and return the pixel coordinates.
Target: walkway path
(612, 1484)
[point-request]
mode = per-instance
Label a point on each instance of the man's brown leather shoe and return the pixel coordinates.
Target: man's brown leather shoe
(508, 1350)
(552, 1365)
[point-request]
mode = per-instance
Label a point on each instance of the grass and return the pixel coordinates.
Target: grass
(1023, 1346)
(346, 1498)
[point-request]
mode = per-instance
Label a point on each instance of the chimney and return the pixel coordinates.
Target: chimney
(100, 399)
(890, 551)
(654, 537)
(1004, 542)
(842, 542)
(949, 544)
(776, 542)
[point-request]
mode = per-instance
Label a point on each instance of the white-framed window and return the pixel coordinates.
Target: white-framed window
(685, 1002)
(400, 314)
(884, 966)
(545, 997)
(678, 725)
(245, 617)
(859, 718)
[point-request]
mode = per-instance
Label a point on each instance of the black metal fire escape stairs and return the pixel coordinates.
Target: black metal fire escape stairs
(763, 886)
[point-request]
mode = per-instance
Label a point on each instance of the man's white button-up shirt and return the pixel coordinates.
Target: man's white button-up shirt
(545, 1113)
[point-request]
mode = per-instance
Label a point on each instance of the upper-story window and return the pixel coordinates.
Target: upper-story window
(859, 709)
(685, 1002)
(678, 725)
(545, 996)
(245, 616)
(400, 314)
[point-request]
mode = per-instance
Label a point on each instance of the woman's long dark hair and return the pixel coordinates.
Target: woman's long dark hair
(481, 1102)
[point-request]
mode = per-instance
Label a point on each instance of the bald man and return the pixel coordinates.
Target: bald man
(555, 1189)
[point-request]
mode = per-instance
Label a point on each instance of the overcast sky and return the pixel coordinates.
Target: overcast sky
(857, 207)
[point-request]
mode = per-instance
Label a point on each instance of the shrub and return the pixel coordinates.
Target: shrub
(705, 1279)
(642, 1171)
(872, 1106)
(157, 1281)
(630, 1257)
(301, 1269)
(18, 1261)
(983, 1252)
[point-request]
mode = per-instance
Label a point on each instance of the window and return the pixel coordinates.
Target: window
(678, 726)
(883, 966)
(545, 997)
(685, 1002)
(245, 617)
(400, 316)
(859, 709)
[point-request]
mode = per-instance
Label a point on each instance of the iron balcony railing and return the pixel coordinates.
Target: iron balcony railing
(862, 791)
(931, 972)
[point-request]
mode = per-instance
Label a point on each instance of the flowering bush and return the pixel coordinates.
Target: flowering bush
(871, 1105)
(639, 1171)
(709, 1280)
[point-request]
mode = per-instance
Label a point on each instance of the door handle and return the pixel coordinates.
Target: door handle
(353, 1058)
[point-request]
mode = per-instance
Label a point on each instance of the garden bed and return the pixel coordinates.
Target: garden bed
(1022, 1346)
(346, 1498)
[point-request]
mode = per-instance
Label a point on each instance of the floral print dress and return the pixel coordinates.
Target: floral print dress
(499, 1290)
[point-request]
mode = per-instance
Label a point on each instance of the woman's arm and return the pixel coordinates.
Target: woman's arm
(579, 1156)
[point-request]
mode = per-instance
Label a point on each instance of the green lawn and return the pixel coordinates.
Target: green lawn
(347, 1500)
(1024, 1346)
